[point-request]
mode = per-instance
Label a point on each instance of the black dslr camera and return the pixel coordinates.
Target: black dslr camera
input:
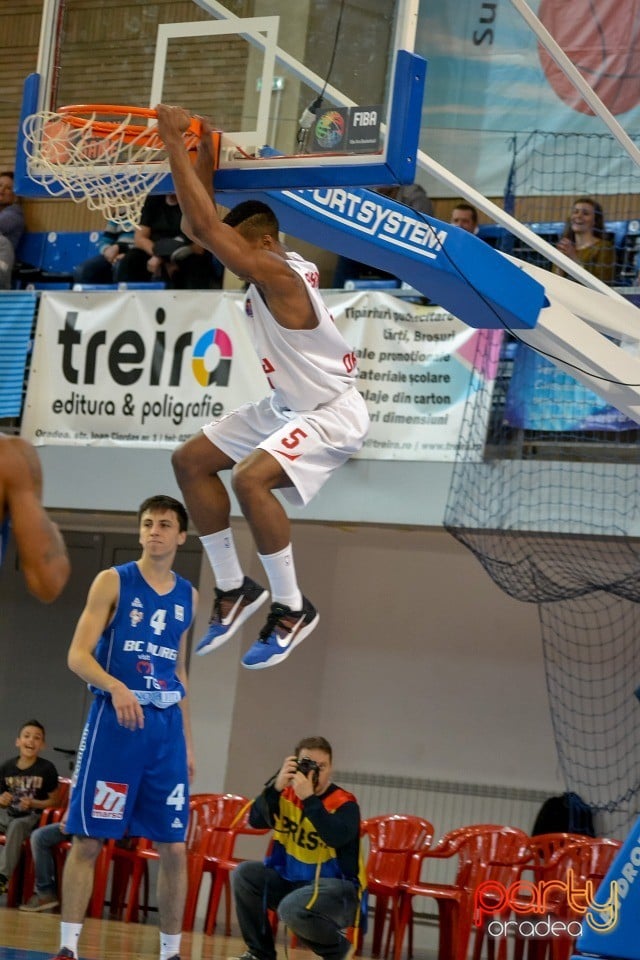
(308, 766)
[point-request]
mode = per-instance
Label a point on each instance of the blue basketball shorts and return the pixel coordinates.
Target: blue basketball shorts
(132, 782)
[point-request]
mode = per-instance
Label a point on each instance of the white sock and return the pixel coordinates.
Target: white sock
(221, 551)
(281, 573)
(169, 945)
(69, 936)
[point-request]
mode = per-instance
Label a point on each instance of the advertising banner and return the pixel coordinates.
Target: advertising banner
(129, 369)
(543, 397)
(417, 366)
(150, 368)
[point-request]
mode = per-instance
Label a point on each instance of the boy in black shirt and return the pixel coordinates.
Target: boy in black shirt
(28, 785)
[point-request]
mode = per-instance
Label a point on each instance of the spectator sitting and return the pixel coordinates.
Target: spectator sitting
(465, 216)
(114, 243)
(43, 841)
(11, 227)
(584, 241)
(28, 785)
(161, 251)
(410, 195)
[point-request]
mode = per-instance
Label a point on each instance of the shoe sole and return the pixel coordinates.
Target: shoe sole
(235, 626)
(279, 657)
(45, 908)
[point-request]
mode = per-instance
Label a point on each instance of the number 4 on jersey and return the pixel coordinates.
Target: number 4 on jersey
(158, 621)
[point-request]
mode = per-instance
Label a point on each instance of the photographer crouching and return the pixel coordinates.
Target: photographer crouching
(314, 875)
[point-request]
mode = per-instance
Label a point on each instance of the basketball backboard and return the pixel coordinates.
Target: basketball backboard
(302, 99)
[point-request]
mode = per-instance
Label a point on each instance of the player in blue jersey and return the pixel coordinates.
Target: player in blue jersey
(135, 757)
(41, 550)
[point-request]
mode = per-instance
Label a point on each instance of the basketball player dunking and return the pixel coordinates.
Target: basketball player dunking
(293, 440)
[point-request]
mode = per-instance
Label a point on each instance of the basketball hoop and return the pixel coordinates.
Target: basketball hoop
(82, 152)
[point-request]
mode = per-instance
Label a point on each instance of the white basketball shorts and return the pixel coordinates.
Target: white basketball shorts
(308, 446)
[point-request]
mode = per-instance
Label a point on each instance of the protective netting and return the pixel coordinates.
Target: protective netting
(553, 516)
(549, 170)
(547, 165)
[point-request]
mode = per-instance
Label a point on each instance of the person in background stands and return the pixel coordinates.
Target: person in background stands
(11, 227)
(583, 240)
(114, 243)
(410, 194)
(465, 216)
(161, 251)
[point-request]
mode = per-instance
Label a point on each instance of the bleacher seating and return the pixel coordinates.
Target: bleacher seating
(625, 235)
(628, 246)
(45, 260)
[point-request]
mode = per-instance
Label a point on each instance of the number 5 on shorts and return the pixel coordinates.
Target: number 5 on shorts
(294, 438)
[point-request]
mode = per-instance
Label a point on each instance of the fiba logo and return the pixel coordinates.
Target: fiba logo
(214, 343)
(330, 129)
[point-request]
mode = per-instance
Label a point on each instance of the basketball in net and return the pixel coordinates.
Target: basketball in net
(99, 154)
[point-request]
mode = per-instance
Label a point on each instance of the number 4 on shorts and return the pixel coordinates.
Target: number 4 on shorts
(176, 797)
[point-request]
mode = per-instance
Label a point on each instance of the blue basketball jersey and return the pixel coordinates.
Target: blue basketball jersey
(140, 645)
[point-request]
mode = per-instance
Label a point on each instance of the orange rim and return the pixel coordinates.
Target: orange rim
(75, 116)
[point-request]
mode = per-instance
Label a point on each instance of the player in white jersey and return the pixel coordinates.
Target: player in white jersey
(293, 440)
(41, 550)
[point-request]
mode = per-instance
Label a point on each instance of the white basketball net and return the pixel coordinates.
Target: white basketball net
(112, 172)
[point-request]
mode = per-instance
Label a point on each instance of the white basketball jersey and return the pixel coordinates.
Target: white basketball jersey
(305, 368)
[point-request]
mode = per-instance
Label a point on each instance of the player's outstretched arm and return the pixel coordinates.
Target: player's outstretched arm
(97, 613)
(200, 217)
(41, 549)
(205, 160)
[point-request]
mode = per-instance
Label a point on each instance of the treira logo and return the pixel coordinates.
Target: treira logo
(129, 357)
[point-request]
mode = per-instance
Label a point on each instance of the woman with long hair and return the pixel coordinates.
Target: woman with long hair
(584, 240)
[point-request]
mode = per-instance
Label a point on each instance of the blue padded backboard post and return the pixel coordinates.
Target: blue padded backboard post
(620, 940)
(449, 265)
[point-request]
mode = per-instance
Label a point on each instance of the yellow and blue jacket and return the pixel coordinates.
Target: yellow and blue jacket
(313, 838)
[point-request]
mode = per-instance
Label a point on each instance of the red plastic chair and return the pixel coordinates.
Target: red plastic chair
(222, 864)
(477, 847)
(589, 859)
(100, 875)
(545, 853)
(131, 863)
(542, 849)
(392, 840)
(212, 841)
